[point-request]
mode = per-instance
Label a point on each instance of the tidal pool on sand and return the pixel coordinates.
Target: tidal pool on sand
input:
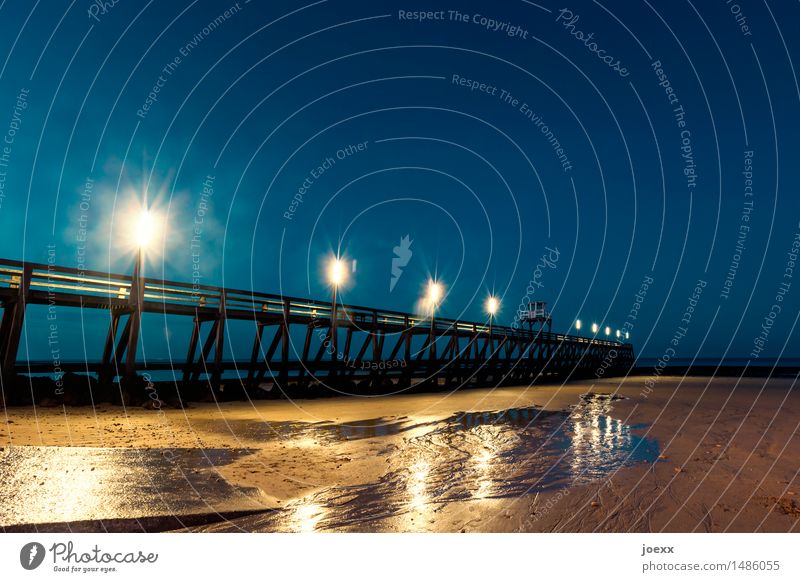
(468, 456)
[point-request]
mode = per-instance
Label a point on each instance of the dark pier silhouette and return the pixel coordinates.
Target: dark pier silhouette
(300, 347)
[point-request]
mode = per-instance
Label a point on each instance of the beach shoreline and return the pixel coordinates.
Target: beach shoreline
(726, 461)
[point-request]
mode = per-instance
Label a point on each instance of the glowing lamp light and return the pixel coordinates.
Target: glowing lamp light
(627, 335)
(435, 292)
(577, 324)
(145, 229)
(492, 305)
(608, 330)
(618, 333)
(337, 271)
(594, 328)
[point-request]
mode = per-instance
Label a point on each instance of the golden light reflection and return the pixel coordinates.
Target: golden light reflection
(54, 484)
(74, 491)
(595, 436)
(418, 509)
(595, 431)
(483, 466)
(306, 516)
(417, 485)
(305, 442)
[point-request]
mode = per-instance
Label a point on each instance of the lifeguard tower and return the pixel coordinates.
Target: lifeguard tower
(537, 315)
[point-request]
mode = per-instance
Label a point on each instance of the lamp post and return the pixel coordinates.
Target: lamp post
(144, 232)
(434, 296)
(337, 273)
(492, 306)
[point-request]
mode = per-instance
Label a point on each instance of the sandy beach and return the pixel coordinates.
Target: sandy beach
(692, 455)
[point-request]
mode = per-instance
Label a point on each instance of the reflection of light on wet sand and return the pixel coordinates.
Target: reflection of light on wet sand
(304, 443)
(62, 484)
(596, 439)
(417, 493)
(417, 485)
(59, 486)
(483, 460)
(305, 517)
(75, 493)
(483, 465)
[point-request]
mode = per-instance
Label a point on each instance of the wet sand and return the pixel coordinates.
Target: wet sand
(694, 454)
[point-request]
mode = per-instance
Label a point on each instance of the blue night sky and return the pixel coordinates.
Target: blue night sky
(618, 156)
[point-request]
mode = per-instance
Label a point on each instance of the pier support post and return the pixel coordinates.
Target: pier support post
(11, 326)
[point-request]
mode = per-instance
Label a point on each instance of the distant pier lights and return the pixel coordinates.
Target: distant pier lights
(537, 315)
(606, 330)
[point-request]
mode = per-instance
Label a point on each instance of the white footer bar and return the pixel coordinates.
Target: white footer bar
(399, 557)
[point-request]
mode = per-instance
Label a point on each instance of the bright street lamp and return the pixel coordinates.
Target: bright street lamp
(578, 324)
(435, 293)
(337, 272)
(492, 306)
(608, 331)
(594, 328)
(145, 229)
